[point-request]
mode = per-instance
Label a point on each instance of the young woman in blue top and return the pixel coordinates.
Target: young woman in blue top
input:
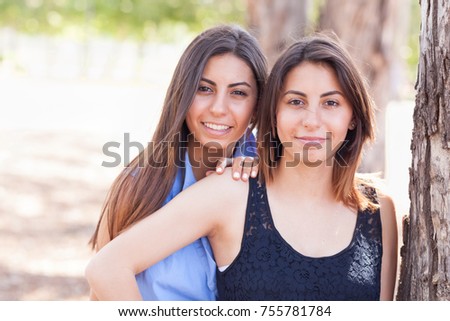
(206, 118)
(308, 228)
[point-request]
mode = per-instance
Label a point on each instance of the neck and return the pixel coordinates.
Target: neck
(303, 181)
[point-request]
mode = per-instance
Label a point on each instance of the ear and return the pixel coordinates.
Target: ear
(352, 124)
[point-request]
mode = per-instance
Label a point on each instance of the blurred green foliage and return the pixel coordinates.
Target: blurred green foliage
(411, 52)
(139, 19)
(151, 20)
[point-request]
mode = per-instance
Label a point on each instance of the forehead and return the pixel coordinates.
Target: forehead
(228, 66)
(312, 76)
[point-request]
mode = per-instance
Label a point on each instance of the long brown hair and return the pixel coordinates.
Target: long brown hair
(321, 49)
(142, 187)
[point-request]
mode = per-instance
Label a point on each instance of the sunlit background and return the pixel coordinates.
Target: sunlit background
(76, 74)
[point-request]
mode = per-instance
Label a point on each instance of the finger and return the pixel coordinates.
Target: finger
(209, 173)
(221, 164)
(247, 168)
(255, 170)
(237, 167)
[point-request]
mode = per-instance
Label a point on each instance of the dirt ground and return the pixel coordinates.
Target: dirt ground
(53, 125)
(52, 182)
(51, 191)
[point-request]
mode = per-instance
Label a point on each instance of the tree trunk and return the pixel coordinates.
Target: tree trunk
(374, 31)
(425, 268)
(277, 24)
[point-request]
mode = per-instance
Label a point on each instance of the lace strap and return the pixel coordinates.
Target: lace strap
(256, 205)
(371, 227)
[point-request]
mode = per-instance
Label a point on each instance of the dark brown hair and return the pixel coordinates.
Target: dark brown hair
(141, 190)
(321, 49)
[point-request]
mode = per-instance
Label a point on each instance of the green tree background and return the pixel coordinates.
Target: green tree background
(147, 20)
(139, 19)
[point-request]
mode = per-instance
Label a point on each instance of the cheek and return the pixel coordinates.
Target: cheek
(190, 119)
(243, 114)
(285, 124)
(340, 131)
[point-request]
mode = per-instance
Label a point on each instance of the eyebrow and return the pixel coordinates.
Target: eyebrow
(241, 83)
(300, 93)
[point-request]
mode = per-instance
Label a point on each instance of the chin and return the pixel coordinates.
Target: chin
(215, 145)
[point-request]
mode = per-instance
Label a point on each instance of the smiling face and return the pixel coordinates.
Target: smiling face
(224, 102)
(313, 115)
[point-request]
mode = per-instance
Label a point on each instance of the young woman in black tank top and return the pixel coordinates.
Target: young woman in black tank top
(307, 228)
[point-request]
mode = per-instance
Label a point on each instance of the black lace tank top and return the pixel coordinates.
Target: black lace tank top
(268, 268)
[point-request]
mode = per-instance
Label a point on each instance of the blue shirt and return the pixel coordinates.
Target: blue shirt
(189, 273)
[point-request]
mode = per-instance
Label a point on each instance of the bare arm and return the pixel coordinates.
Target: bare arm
(194, 213)
(103, 238)
(390, 252)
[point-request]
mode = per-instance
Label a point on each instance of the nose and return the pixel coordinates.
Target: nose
(219, 105)
(311, 118)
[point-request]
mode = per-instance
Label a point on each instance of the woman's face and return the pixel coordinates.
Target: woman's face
(224, 102)
(313, 115)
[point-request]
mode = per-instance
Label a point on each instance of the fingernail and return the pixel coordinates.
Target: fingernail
(236, 175)
(219, 169)
(244, 176)
(254, 174)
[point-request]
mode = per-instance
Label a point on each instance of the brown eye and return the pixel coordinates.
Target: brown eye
(295, 102)
(204, 89)
(331, 103)
(239, 93)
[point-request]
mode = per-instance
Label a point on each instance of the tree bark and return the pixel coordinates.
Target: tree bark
(425, 268)
(277, 24)
(373, 31)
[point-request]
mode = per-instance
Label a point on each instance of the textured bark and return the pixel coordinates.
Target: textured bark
(425, 268)
(373, 31)
(277, 24)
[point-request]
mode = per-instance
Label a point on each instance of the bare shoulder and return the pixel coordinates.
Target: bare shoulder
(390, 246)
(223, 187)
(229, 214)
(374, 189)
(218, 192)
(387, 214)
(387, 207)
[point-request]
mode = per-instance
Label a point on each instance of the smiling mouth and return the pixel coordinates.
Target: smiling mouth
(312, 139)
(218, 127)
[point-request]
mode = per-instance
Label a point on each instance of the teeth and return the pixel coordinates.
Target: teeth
(216, 127)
